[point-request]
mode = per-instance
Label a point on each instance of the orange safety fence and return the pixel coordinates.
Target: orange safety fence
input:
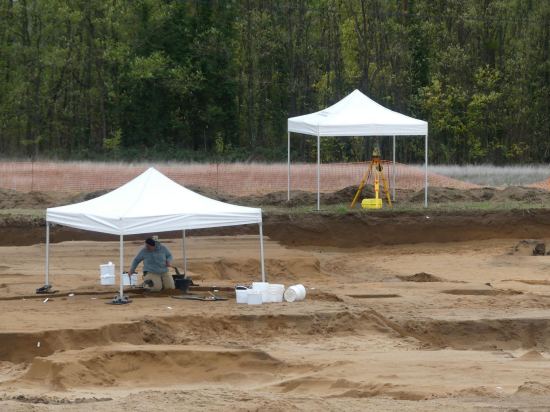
(239, 179)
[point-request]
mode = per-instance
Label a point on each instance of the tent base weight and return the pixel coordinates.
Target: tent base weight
(119, 300)
(45, 289)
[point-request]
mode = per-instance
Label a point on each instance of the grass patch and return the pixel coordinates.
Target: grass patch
(342, 209)
(495, 176)
(36, 213)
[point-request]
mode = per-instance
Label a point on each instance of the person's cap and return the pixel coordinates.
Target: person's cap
(150, 241)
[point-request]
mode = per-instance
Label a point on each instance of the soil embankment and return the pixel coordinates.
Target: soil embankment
(337, 230)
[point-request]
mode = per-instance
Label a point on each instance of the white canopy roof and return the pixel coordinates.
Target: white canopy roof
(151, 203)
(357, 115)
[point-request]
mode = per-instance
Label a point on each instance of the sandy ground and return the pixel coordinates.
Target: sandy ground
(425, 326)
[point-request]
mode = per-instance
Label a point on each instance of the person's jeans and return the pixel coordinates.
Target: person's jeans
(160, 281)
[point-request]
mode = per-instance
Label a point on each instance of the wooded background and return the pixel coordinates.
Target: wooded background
(204, 80)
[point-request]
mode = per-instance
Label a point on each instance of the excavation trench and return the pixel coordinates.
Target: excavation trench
(336, 230)
(254, 330)
(480, 334)
(21, 347)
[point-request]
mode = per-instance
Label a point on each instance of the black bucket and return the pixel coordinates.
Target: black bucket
(182, 283)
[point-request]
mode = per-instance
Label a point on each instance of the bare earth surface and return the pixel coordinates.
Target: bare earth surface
(408, 311)
(419, 326)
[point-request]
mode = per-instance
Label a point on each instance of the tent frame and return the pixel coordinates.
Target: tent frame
(120, 298)
(393, 168)
(357, 115)
(187, 210)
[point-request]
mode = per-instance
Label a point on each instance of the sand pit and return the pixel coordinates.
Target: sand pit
(383, 327)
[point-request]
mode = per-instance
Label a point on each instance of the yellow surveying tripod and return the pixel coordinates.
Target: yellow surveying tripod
(376, 165)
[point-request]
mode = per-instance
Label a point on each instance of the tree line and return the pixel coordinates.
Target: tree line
(217, 79)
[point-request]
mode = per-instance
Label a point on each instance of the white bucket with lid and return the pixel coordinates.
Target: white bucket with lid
(295, 293)
(241, 294)
(275, 292)
(260, 286)
(107, 274)
(253, 297)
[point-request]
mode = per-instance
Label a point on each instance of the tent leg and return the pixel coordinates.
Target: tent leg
(393, 172)
(183, 252)
(47, 253)
(318, 172)
(288, 171)
(426, 171)
(122, 266)
(262, 251)
(46, 288)
(120, 299)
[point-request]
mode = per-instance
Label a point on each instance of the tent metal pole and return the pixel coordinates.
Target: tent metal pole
(262, 251)
(393, 172)
(426, 171)
(183, 252)
(288, 171)
(318, 172)
(47, 253)
(121, 247)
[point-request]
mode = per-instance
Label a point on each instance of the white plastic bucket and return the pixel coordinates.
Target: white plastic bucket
(107, 280)
(262, 288)
(107, 269)
(107, 274)
(275, 292)
(295, 293)
(241, 294)
(253, 297)
(129, 281)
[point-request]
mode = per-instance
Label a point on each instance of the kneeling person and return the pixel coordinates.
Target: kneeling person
(156, 261)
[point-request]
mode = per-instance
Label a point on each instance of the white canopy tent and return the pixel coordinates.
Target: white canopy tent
(151, 203)
(357, 115)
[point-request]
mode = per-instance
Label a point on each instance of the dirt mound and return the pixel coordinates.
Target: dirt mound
(437, 195)
(421, 277)
(303, 198)
(153, 366)
(481, 391)
(11, 199)
(529, 247)
(532, 355)
(522, 194)
(533, 388)
(82, 197)
(445, 195)
(344, 388)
